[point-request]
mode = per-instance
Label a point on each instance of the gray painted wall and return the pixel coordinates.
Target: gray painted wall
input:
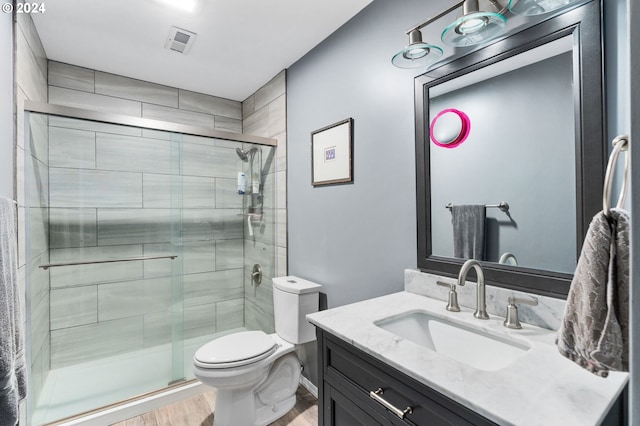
(6, 106)
(356, 239)
(520, 150)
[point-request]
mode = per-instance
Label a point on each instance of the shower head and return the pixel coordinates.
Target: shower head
(245, 153)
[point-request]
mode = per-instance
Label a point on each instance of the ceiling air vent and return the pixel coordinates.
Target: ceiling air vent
(180, 40)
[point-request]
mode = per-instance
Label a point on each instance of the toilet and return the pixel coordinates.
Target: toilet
(256, 374)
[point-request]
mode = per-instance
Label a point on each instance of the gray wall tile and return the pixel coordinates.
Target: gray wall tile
(72, 228)
(37, 182)
(157, 329)
(133, 226)
(133, 298)
(199, 102)
(72, 148)
(211, 287)
(229, 314)
(39, 280)
(94, 188)
(95, 273)
(218, 224)
(129, 88)
(227, 196)
(39, 141)
(257, 123)
(200, 320)
(77, 99)
(188, 191)
(74, 306)
(31, 66)
(258, 318)
(75, 345)
(71, 77)
(278, 116)
(199, 256)
(163, 267)
(202, 160)
(39, 221)
(248, 106)
(270, 91)
(228, 124)
(174, 115)
(133, 154)
(40, 323)
(229, 254)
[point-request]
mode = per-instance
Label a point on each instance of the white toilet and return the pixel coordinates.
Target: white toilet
(256, 374)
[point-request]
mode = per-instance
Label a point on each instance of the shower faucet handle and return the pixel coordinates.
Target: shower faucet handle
(452, 303)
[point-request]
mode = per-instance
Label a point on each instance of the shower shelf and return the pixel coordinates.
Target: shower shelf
(92, 262)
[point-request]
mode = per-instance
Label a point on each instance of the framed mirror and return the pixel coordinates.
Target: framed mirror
(516, 131)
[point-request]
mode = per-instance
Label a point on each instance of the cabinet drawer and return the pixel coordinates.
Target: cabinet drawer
(357, 373)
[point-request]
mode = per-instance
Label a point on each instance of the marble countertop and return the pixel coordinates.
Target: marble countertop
(540, 388)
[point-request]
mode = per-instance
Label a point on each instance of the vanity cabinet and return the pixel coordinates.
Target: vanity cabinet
(349, 375)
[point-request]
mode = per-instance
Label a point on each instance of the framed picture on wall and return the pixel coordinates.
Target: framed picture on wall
(332, 154)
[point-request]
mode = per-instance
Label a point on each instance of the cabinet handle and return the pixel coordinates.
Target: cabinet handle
(398, 412)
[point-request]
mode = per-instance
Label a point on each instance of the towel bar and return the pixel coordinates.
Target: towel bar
(91, 262)
(503, 205)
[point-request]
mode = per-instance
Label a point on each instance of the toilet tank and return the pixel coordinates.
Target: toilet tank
(293, 299)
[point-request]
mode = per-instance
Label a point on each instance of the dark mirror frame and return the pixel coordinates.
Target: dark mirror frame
(584, 24)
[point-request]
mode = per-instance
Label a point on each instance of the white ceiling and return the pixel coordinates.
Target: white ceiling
(240, 44)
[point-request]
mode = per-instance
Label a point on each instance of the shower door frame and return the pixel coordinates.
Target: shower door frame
(143, 123)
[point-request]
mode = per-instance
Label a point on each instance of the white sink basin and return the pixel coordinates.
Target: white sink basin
(463, 343)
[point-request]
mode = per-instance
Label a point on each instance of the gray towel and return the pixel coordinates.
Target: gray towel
(468, 231)
(13, 385)
(594, 332)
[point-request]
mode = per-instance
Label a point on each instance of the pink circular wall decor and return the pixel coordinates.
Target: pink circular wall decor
(449, 128)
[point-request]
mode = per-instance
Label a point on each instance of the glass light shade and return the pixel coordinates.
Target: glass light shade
(417, 55)
(474, 28)
(536, 7)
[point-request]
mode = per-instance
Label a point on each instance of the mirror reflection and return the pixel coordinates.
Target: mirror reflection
(502, 161)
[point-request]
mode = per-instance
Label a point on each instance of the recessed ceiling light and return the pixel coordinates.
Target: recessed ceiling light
(186, 5)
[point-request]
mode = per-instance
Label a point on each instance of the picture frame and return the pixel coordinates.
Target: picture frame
(332, 154)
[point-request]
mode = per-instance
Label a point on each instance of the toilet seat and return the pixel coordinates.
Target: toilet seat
(235, 350)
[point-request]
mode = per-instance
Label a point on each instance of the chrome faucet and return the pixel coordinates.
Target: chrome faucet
(481, 300)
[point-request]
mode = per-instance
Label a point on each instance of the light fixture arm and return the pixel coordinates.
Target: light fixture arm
(435, 18)
(470, 6)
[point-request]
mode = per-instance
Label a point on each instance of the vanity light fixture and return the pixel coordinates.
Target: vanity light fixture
(537, 7)
(475, 26)
(417, 53)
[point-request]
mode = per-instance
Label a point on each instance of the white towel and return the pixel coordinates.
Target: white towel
(595, 329)
(13, 386)
(468, 231)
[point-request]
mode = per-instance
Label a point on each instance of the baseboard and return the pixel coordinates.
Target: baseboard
(306, 383)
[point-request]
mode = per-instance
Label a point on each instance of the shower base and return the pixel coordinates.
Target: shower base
(85, 387)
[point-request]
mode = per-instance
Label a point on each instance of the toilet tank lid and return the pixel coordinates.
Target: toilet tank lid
(295, 285)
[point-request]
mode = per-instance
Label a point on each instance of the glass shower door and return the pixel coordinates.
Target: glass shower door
(105, 287)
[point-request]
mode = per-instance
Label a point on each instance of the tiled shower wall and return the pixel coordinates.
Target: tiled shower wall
(128, 305)
(264, 114)
(31, 82)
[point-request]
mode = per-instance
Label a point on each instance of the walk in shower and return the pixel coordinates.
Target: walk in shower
(140, 247)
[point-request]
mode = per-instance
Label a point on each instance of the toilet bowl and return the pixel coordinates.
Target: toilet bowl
(256, 374)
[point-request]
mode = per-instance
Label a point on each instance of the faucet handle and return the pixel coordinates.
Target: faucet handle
(511, 320)
(452, 304)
